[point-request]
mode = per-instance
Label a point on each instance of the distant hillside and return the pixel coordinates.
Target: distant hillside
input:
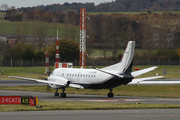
(114, 6)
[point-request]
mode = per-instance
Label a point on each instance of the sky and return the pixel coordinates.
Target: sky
(31, 3)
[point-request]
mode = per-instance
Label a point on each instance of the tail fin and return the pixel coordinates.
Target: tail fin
(125, 66)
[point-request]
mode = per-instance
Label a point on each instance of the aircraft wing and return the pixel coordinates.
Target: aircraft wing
(138, 80)
(140, 72)
(49, 82)
(37, 80)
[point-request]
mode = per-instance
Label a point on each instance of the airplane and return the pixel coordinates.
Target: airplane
(106, 78)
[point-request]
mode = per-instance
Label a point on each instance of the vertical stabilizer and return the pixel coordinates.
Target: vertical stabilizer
(125, 65)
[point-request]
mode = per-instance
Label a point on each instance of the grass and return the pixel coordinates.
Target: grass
(10, 28)
(48, 105)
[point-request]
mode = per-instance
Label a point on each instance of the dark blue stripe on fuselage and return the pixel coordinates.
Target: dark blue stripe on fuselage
(111, 83)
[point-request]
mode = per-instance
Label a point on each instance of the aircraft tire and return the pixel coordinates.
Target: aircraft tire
(110, 95)
(56, 94)
(63, 95)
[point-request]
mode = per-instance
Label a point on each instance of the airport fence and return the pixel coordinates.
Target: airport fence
(21, 63)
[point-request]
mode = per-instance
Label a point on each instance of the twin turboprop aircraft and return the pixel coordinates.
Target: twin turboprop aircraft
(94, 78)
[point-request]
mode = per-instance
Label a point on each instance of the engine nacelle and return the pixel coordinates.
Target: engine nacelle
(61, 80)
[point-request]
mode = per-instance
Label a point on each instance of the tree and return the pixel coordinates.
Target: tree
(111, 31)
(117, 28)
(40, 32)
(97, 30)
(4, 7)
(25, 52)
(176, 40)
(28, 52)
(68, 50)
(146, 41)
(15, 52)
(3, 42)
(70, 28)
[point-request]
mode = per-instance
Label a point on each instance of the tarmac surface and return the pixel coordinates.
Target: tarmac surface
(135, 114)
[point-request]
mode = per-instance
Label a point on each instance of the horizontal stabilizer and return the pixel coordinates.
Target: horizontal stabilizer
(160, 82)
(140, 72)
(135, 81)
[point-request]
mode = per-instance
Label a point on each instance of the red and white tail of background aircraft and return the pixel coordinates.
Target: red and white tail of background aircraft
(94, 78)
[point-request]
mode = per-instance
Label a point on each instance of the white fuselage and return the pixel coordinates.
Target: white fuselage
(87, 76)
(80, 76)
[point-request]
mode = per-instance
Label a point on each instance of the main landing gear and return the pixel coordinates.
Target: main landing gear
(110, 95)
(56, 93)
(62, 95)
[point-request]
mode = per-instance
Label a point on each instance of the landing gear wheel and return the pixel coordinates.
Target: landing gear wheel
(110, 95)
(63, 95)
(56, 94)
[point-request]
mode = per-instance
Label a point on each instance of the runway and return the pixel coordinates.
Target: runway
(141, 114)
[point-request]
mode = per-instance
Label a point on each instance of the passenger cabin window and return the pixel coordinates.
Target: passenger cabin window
(67, 74)
(63, 74)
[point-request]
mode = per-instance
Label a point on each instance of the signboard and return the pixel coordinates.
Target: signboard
(25, 100)
(10, 99)
(32, 101)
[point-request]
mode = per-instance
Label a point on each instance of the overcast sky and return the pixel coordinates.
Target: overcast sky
(31, 3)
